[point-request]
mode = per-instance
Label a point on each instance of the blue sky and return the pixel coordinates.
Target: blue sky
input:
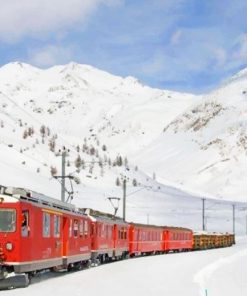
(184, 45)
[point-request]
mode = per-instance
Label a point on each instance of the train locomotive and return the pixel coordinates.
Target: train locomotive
(39, 233)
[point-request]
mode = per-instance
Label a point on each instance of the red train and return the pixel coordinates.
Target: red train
(38, 232)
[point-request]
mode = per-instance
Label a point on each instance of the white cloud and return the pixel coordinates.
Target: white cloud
(241, 52)
(19, 18)
(220, 56)
(176, 37)
(50, 55)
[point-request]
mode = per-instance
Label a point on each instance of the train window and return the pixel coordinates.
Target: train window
(144, 236)
(25, 223)
(103, 230)
(56, 226)
(106, 231)
(124, 234)
(81, 228)
(46, 224)
(110, 231)
(70, 227)
(86, 228)
(75, 228)
(7, 220)
(93, 229)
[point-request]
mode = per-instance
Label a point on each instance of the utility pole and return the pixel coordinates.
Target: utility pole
(203, 214)
(124, 199)
(246, 224)
(233, 219)
(64, 153)
(63, 176)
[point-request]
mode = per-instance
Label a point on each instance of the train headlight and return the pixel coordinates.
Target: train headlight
(9, 246)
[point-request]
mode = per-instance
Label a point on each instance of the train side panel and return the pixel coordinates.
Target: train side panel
(178, 239)
(144, 239)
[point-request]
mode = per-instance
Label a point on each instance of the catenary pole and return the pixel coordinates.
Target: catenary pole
(124, 199)
(233, 219)
(203, 214)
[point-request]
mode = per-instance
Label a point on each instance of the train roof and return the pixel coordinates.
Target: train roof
(161, 227)
(15, 194)
(102, 216)
(211, 233)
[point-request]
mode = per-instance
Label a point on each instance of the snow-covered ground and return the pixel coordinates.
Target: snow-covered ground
(220, 272)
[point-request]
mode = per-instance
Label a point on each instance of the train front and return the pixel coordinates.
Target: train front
(10, 243)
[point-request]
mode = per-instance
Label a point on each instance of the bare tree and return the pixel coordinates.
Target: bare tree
(53, 171)
(25, 134)
(134, 182)
(78, 163)
(118, 182)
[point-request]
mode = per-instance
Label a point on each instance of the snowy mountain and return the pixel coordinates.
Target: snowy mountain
(115, 127)
(205, 147)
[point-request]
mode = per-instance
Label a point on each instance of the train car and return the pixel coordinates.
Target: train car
(145, 239)
(109, 237)
(38, 232)
(121, 240)
(177, 239)
(205, 240)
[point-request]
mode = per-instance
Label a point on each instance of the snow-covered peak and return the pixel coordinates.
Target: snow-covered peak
(242, 74)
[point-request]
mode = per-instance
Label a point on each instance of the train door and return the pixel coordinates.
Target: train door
(166, 240)
(65, 235)
(25, 235)
(93, 235)
(58, 234)
(138, 240)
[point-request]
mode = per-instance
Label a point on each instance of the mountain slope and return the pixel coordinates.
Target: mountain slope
(92, 113)
(205, 148)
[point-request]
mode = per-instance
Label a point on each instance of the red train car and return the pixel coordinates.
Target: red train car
(109, 237)
(177, 239)
(145, 239)
(38, 232)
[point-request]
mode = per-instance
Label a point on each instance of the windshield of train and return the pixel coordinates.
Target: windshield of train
(7, 220)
